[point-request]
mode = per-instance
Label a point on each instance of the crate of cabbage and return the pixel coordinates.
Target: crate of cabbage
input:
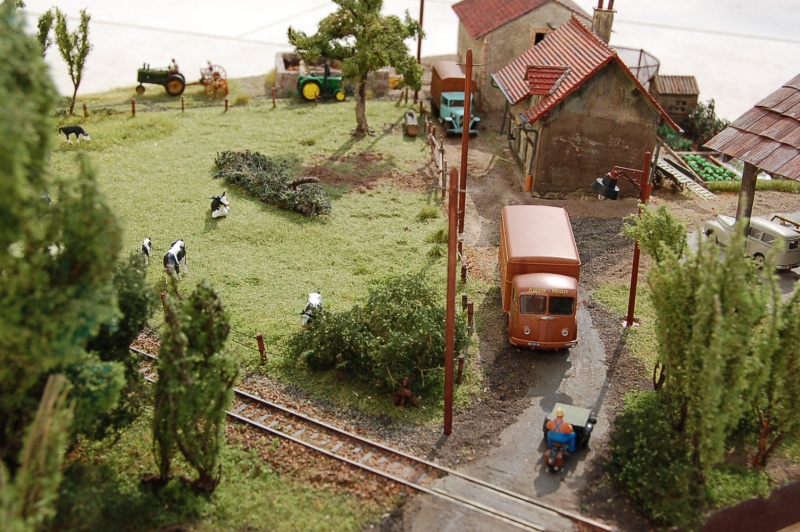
(708, 170)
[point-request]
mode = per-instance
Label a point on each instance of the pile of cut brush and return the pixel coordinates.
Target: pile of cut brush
(273, 181)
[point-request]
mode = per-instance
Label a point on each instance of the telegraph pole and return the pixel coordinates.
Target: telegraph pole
(419, 43)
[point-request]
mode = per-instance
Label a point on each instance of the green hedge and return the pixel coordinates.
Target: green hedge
(651, 465)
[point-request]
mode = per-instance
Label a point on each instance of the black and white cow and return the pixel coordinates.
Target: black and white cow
(78, 131)
(175, 260)
(220, 206)
(313, 305)
(147, 250)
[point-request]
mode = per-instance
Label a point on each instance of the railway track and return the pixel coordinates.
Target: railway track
(472, 494)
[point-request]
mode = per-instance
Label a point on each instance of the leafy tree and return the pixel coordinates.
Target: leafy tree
(399, 331)
(705, 331)
(364, 41)
(74, 48)
(194, 388)
(657, 232)
(135, 302)
(776, 413)
(57, 258)
(44, 25)
(702, 124)
(27, 502)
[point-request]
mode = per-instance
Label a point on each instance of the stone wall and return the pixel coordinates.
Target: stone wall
(287, 70)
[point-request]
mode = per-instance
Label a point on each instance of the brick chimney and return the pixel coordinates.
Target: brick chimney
(603, 19)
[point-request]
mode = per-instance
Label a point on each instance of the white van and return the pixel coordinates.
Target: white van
(780, 234)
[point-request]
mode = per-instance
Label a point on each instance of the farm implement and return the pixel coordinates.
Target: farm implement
(212, 78)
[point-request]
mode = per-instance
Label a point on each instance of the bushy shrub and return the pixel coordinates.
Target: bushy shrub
(399, 331)
(271, 181)
(729, 486)
(652, 465)
(702, 124)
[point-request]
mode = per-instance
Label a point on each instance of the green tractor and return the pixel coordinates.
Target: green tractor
(313, 86)
(173, 81)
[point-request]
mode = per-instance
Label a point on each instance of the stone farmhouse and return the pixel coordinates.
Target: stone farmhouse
(497, 31)
(574, 110)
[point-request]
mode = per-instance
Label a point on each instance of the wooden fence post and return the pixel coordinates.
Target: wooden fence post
(460, 376)
(182, 104)
(261, 349)
(85, 111)
(274, 90)
(133, 107)
(226, 105)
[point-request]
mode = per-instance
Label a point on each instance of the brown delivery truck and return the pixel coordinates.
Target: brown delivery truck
(539, 272)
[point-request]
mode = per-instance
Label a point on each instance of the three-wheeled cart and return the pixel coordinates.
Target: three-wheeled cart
(582, 420)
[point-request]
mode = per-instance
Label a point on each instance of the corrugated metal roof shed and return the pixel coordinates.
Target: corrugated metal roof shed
(480, 17)
(768, 135)
(676, 85)
(573, 46)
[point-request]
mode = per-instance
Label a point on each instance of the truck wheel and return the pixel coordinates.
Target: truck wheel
(175, 85)
(310, 90)
(140, 89)
(340, 95)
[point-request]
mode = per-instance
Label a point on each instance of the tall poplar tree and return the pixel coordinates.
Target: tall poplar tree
(364, 41)
(74, 47)
(777, 417)
(712, 320)
(195, 382)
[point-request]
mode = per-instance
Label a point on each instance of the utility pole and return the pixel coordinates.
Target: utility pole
(458, 192)
(450, 315)
(419, 43)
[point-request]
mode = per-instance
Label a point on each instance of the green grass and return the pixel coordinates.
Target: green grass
(108, 494)
(640, 339)
(157, 171)
(729, 486)
(778, 185)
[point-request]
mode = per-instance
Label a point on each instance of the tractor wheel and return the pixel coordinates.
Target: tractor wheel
(340, 95)
(175, 85)
(140, 89)
(310, 90)
(216, 88)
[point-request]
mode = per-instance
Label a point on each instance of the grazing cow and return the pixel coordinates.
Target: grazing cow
(175, 260)
(313, 305)
(220, 206)
(147, 250)
(78, 131)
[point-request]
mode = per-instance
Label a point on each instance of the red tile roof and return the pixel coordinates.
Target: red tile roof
(768, 135)
(544, 80)
(572, 46)
(480, 17)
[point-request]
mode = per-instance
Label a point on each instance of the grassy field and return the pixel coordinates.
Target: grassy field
(157, 171)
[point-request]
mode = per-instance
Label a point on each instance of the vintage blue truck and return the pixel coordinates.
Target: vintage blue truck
(448, 82)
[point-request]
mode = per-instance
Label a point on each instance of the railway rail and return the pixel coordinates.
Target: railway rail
(467, 492)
